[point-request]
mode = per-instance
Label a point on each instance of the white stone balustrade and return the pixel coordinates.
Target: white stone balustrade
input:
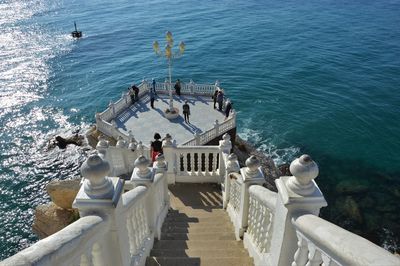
(258, 236)
(105, 121)
(278, 229)
(84, 242)
(250, 175)
(121, 157)
(231, 166)
(297, 194)
(321, 242)
(198, 164)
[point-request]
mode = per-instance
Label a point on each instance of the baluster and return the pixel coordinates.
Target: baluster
(250, 216)
(261, 234)
(178, 163)
(185, 162)
(255, 218)
(314, 256)
(136, 223)
(97, 253)
(131, 233)
(196, 161)
(327, 261)
(268, 237)
(145, 222)
(192, 163)
(213, 164)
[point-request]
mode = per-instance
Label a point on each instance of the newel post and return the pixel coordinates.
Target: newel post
(216, 126)
(192, 86)
(111, 105)
(170, 158)
(197, 138)
(99, 195)
(231, 166)
(225, 147)
(297, 194)
(251, 175)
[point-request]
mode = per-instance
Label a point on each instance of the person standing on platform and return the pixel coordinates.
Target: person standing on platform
(152, 98)
(156, 146)
(220, 99)
(215, 97)
(132, 93)
(136, 92)
(153, 86)
(186, 111)
(228, 108)
(178, 87)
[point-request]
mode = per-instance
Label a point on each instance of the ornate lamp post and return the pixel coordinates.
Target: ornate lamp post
(169, 54)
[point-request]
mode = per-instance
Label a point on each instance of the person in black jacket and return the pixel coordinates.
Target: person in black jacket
(186, 111)
(156, 146)
(228, 108)
(178, 87)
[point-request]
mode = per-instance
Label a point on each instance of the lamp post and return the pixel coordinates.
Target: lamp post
(169, 54)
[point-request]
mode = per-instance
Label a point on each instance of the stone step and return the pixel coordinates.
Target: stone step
(205, 224)
(198, 208)
(198, 229)
(182, 261)
(198, 244)
(197, 213)
(196, 219)
(198, 236)
(203, 253)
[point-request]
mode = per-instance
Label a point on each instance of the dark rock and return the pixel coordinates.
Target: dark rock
(75, 139)
(350, 207)
(351, 187)
(244, 150)
(284, 169)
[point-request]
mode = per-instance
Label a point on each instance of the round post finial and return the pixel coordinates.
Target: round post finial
(160, 165)
(132, 145)
(304, 170)
(167, 140)
(140, 148)
(121, 143)
(97, 185)
(232, 164)
(225, 144)
(252, 165)
(102, 145)
(141, 164)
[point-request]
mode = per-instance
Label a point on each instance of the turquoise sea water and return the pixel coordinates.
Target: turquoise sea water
(316, 77)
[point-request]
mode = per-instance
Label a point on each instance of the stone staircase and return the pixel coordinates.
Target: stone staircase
(197, 231)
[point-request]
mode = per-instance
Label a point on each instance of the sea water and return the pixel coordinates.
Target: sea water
(315, 77)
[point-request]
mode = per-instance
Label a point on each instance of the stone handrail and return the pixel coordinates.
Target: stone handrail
(186, 88)
(320, 241)
(115, 228)
(84, 242)
(217, 130)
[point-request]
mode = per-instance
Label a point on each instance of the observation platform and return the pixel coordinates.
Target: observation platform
(143, 121)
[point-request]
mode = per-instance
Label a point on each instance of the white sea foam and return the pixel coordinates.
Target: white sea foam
(280, 155)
